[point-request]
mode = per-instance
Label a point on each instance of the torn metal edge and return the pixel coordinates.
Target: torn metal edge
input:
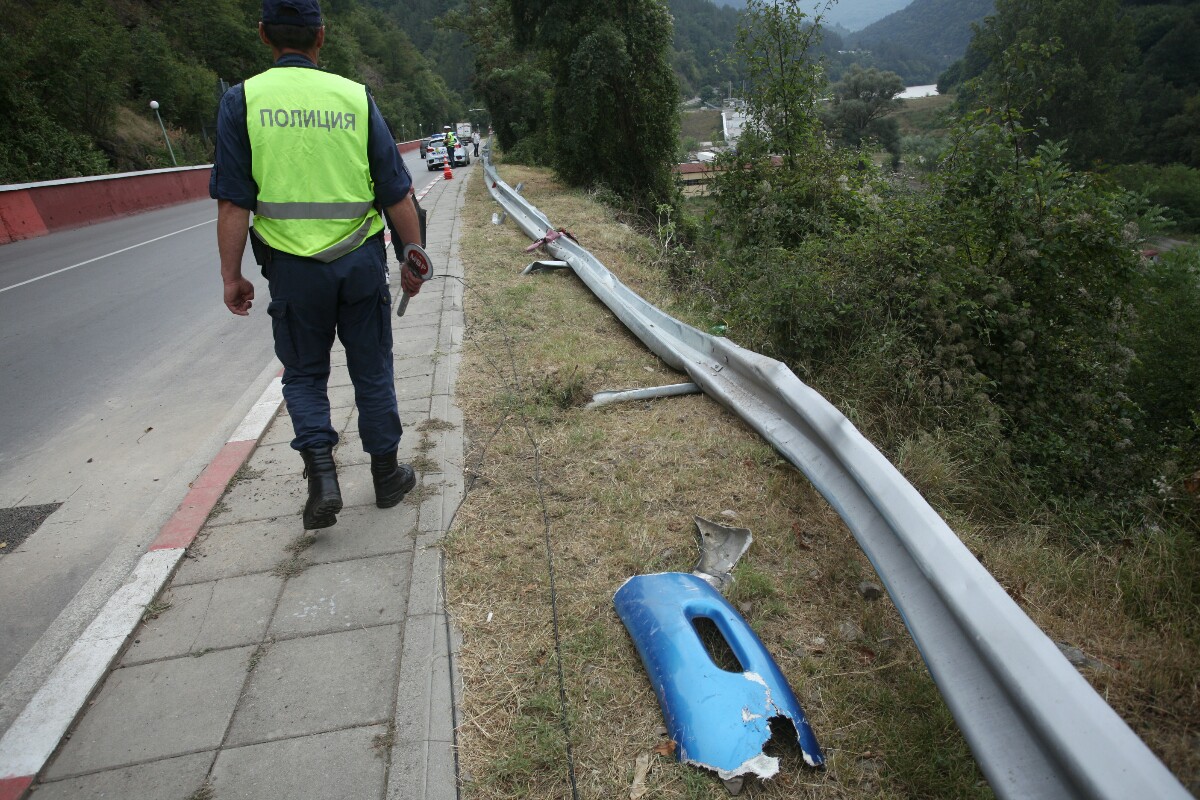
(721, 547)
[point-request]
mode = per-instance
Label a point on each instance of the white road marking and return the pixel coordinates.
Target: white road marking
(106, 255)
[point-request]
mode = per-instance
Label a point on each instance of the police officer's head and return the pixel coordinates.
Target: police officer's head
(292, 25)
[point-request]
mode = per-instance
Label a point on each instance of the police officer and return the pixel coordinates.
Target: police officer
(309, 153)
(451, 143)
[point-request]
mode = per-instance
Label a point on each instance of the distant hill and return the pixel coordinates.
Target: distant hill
(937, 28)
(704, 35)
(852, 15)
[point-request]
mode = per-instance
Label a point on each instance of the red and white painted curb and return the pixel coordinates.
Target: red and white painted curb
(421, 194)
(33, 737)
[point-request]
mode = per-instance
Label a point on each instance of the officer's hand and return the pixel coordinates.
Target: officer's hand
(238, 296)
(410, 281)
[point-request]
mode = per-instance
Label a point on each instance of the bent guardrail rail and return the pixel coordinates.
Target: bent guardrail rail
(1034, 724)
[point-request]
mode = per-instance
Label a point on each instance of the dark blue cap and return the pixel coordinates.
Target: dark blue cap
(305, 13)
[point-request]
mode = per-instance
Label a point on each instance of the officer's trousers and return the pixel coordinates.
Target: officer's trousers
(310, 303)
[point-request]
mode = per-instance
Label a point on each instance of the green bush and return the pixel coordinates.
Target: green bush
(533, 151)
(35, 147)
(1165, 380)
(1009, 286)
(922, 152)
(1176, 188)
(517, 98)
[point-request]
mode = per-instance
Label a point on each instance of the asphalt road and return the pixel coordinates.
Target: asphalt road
(122, 375)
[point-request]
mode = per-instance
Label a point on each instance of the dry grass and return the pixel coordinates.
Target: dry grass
(156, 608)
(924, 114)
(615, 491)
(291, 567)
(703, 125)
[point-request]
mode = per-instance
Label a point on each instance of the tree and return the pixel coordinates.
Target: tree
(1056, 65)
(511, 84)
(774, 42)
(83, 68)
(861, 102)
(613, 114)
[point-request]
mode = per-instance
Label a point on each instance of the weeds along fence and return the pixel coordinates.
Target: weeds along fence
(1036, 727)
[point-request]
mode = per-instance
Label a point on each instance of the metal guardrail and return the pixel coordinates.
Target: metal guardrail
(1035, 726)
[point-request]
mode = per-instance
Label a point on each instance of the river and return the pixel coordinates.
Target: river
(913, 92)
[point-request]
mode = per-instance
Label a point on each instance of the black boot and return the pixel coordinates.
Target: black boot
(392, 480)
(324, 494)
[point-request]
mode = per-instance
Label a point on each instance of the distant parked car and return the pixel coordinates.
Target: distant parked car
(435, 152)
(462, 155)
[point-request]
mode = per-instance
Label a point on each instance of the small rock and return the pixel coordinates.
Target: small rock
(661, 730)
(817, 645)
(746, 607)
(1079, 658)
(849, 632)
(729, 513)
(870, 591)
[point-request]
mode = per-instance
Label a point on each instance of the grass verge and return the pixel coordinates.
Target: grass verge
(613, 493)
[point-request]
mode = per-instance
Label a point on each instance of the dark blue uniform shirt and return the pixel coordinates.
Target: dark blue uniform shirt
(233, 180)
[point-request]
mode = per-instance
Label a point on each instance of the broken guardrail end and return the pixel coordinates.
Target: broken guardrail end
(622, 395)
(720, 548)
(720, 718)
(545, 266)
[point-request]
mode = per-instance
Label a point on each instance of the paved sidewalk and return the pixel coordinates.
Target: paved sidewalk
(291, 666)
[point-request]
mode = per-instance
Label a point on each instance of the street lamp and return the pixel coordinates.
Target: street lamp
(167, 139)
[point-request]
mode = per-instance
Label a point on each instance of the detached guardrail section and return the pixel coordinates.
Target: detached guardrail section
(1036, 727)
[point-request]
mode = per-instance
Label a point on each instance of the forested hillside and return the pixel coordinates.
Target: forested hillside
(74, 98)
(704, 34)
(933, 32)
(1123, 86)
(854, 15)
(78, 76)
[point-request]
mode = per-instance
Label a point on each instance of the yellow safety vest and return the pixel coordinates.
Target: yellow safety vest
(308, 147)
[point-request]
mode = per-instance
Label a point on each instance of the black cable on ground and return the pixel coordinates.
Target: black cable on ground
(537, 475)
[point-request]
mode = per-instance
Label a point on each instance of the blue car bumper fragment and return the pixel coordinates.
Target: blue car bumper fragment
(719, 719)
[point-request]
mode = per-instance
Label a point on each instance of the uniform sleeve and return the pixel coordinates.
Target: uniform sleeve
(232, 178)
(392, 179)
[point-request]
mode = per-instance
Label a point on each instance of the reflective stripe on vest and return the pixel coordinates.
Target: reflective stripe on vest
(308, 146)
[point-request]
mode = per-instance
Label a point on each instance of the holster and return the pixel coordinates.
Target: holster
(263, 254)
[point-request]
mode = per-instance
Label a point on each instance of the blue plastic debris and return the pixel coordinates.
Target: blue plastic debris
(720, 719)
